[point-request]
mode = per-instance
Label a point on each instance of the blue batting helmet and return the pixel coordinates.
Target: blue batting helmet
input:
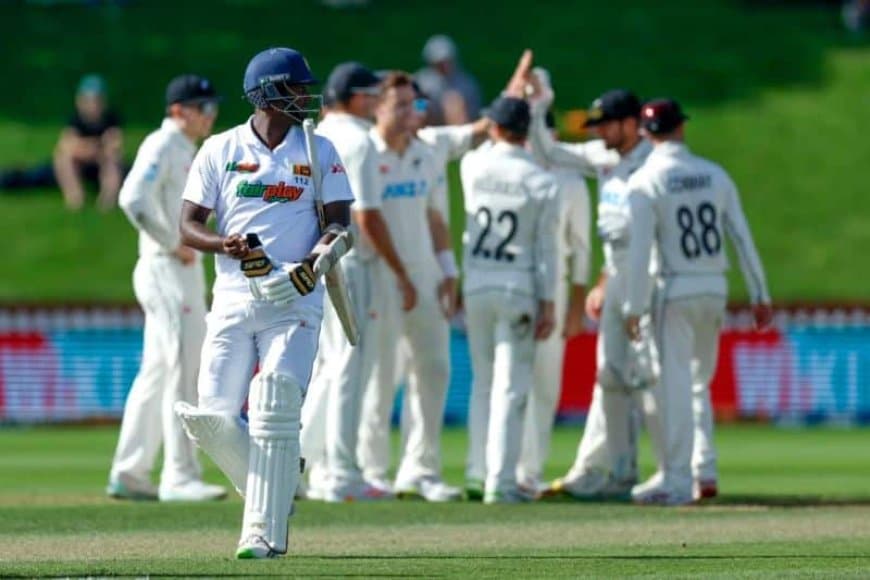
(268, 79)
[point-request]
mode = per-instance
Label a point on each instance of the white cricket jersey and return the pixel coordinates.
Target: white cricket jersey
(350, 136)
(511, 209)
(684, 205)
(447, 143)
(407, 183)
(612, 171)
(253, 189)
(151, 194)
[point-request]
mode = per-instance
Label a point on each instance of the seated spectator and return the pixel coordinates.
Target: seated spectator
(90, 148)
(454, 93)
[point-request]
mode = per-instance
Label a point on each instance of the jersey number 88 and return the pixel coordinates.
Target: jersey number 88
(708, 240)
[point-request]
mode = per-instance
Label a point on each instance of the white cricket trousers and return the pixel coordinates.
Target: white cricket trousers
(687, 334)
(501, 329)
(543, 398)
(333, 406)
(609, 441)
(172, 296)
(241, 333)
(427, 334)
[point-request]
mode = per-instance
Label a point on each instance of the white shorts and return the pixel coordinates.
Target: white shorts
(242, 334)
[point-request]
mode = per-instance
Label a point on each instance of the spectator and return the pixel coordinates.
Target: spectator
(90, 148)
(454, 93)
(856, 14)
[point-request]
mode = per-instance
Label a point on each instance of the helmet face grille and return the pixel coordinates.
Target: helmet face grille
(290, 99)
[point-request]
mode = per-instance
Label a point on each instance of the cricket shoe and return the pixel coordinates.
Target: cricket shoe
(655, 491)
(705, 489)
(356, 491)
(511, 496)
(474, 490)
(255, 547)
(127, 487)
(194, 490)
(381, 483)
(430, 489)
(588, 485)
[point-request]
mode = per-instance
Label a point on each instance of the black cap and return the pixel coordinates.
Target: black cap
(348, 79)
(662, 116)
(612, 105)
(190, 89)
(510, 113)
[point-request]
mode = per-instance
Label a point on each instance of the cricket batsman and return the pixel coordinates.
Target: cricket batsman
(170, 286)
(263, 189)
(683, 206)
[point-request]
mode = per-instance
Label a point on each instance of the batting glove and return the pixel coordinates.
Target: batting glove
(286, 284)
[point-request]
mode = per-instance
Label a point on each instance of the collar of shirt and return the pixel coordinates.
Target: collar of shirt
(381, 146)
(639, 152)
(510, 149)
(670, 148)
(342, 117)
(251, 138)
(171, 126)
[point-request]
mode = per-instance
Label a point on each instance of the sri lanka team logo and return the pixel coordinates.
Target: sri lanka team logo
(280, 192)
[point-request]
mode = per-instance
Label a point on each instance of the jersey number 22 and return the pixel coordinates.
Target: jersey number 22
(484, 218)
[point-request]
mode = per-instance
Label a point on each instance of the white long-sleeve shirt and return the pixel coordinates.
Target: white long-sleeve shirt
(593, 159)
(511, 209)
(151, 194)
(447, 143)
(684, 205)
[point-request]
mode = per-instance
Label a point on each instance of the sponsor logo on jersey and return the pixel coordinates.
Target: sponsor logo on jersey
(303, 170)
(337, 168)
(405, 189)
(242, 166)
(280, 192)
(384, 169)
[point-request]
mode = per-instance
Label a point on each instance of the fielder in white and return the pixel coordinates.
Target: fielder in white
(683, 206)
(263, 187)
(332, 408)
(606, 462)
(511, 208)
(415, 297)
(572, 273)
(170, 286)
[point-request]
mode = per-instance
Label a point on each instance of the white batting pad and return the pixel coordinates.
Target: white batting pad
(274, 409)
(223, 437)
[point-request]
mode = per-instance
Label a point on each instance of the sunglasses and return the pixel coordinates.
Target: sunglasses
(208, 108)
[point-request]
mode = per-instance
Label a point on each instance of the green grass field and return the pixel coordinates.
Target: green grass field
(776, 91)
(795, 503)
